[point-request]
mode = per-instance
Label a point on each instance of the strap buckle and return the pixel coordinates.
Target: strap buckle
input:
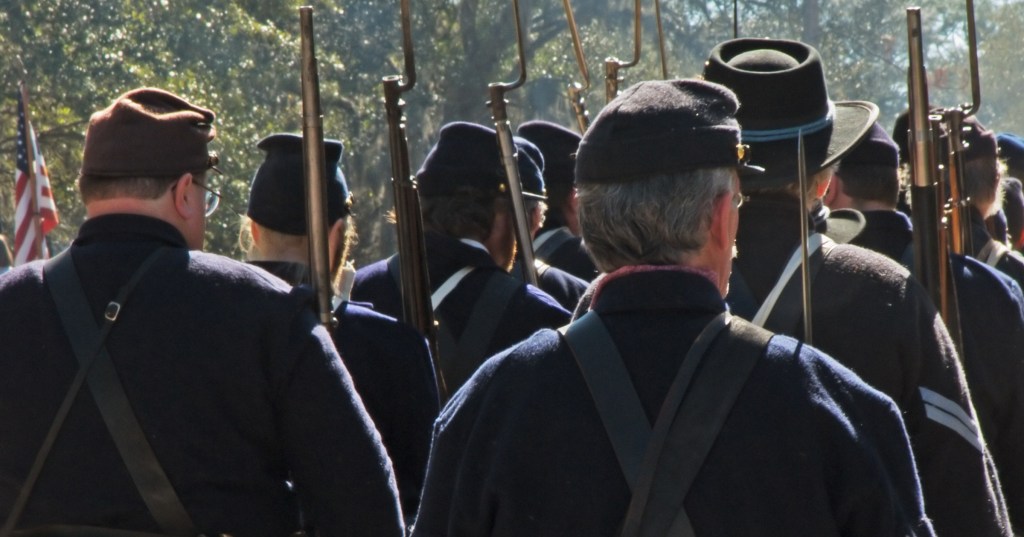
(113, 309)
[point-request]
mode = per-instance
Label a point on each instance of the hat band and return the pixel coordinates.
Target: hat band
(774, 135)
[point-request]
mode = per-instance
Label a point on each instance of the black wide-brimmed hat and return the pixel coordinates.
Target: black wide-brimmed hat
(783, 95)
(277, 197)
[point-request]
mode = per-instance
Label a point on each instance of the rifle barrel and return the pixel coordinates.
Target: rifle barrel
(315, 171)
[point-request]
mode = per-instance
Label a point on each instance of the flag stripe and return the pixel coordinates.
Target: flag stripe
(27, 225)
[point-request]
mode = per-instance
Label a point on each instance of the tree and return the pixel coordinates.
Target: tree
(240, 58)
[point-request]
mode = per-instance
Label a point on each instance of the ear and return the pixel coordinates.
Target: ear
(186, 203)
(254, 230)
(823, 187)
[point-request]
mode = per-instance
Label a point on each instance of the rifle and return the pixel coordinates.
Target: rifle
(507, 146)
(931, 236)
(661, 40)
(613, 64)
(953, 118)
(417, 309)
(735, 19)
(576, 90)
(315, 172)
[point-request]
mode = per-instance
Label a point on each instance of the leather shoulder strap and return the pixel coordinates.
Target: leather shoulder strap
(88, 342)
(616, 400)
(672, 464)
(551, 242)
(470, 347)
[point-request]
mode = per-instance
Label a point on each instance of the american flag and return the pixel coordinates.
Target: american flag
(28, 243)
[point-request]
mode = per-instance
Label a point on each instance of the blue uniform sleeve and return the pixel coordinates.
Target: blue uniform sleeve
(338, 465)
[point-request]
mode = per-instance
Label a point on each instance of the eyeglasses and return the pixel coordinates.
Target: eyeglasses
(739, 199)
(212, 198)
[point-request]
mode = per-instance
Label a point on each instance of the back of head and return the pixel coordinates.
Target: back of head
(979, 153)
(650, 167)
(462, 180)
(558, 145)
(146, 133)
(981, 165)
(277, 196)
(783, 96)
(870, 172)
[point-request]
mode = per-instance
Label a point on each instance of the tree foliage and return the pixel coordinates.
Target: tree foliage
(240, 58)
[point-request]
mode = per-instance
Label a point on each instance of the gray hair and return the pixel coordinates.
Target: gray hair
(656, 221)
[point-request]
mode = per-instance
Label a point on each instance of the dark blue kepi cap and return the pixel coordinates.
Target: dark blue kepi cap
(558, 144)
(277, 197)
(467, 155)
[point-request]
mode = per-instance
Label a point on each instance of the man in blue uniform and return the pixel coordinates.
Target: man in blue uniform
(470, 241)
(389, 361)
(527, 447)
(562, 286)
(238, 391)
(866, 310)
(558, 242)
(991, 305)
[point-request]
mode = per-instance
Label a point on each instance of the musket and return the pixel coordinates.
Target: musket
(931, 250)
(953, 119)
(579, 106)
(805, 255)
(417, 309)
(612, 65)
(315, 171)
(507, 146)
(735, 19)
(661, 40)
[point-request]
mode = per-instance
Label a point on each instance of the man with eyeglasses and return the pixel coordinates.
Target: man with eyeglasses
(219, 405)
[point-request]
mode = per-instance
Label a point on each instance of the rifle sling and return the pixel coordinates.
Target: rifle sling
(97, 368)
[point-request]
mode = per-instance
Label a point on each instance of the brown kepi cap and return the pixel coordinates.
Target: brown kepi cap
(148, 132)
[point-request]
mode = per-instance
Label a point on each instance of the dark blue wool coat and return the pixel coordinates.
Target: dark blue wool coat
(393, 373)
(236, 386)
(992, 323)
(808, 449)
(565, 288)
(571, 256)
(1012, 263)
(873, 317)
(529, 310)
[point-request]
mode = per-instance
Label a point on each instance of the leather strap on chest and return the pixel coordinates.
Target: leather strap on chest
(661, 464)
(549, 243)
(97, 369)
